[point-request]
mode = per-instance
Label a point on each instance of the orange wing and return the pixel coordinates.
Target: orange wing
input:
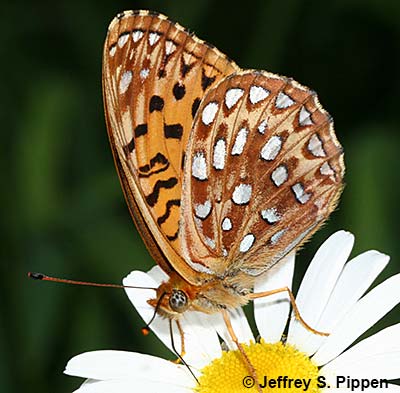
(155, 75)
(264, 170)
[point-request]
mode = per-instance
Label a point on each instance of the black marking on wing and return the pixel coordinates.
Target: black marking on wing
(170, 204)
(158, 159)
(161, 73)
(183, 160)
(173, 131)
(140, 130)
(153, 197)
(195, 106)
(179, 91)
(185, 68)
(174, 236)
(129, 147)
(206, 80)
(156, 104)
(145, 170)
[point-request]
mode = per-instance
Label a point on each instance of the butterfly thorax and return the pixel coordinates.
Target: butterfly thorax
(176, 296)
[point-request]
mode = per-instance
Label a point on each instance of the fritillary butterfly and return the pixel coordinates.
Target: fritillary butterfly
(225, 171)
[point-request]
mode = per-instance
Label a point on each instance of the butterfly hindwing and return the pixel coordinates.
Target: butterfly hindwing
(264, 169)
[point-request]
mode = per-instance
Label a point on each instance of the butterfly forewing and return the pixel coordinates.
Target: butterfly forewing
(154, 76)
(264, 169)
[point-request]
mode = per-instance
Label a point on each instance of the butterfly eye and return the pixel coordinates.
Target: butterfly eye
(178, 300)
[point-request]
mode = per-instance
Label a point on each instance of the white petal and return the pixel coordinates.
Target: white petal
(201, 342)
(271, 313)
(377, 356)
(106, 365)
(368, 310)
(355, 279)
(158, 275)
(89, 381)
(318, 283)
(139, 297)
(134, 385)
(392, 388)
(240, 326)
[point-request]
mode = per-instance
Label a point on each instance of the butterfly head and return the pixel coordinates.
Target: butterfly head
(173, 298)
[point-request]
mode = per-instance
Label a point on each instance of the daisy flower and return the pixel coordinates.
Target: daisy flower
(331, 298)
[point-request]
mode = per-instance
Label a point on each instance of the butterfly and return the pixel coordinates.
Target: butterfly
(225, 171)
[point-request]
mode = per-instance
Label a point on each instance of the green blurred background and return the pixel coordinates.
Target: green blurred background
(63, 209)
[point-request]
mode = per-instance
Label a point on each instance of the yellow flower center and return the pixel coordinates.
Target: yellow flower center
(279, 368)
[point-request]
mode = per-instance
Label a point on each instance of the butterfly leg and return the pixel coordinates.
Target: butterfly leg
(294, 305)
(182, 353)
(234, 338)
(181, 334)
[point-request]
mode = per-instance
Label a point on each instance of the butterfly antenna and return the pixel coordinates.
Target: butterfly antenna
(43, 277)
(146, 329)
